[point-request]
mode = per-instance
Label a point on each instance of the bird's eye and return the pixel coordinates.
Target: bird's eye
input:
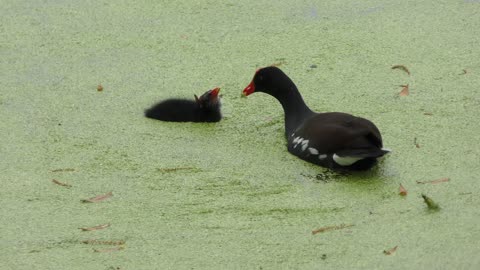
(260, 78)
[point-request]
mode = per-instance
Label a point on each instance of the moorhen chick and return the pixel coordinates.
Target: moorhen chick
(205, 108)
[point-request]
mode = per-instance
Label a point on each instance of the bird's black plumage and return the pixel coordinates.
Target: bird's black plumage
(205, 108)
(335, 140)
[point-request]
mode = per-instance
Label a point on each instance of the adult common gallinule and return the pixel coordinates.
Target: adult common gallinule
(334, 140)
(205, 108)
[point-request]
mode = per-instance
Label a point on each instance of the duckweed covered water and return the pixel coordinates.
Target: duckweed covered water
(228, 195)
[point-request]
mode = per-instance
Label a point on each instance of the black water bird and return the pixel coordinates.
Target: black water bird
(335, 140)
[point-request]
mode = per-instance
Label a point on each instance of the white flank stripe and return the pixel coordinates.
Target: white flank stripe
(304, 147)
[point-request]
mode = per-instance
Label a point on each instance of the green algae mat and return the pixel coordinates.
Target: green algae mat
(89, 183)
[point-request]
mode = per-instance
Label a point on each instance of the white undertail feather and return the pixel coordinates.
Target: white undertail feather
(345, 161)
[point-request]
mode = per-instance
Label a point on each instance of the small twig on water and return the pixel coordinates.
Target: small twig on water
(401, 67)
(60, 183)
(95, 228)
(331, 228)
(109, 249)
(104, 242)
(64, 170)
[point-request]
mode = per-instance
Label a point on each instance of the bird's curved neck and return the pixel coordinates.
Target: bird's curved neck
(295, 109)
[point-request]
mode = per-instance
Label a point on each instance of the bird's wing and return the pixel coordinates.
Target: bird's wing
(342, 134)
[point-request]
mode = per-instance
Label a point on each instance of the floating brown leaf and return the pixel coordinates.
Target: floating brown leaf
(404, 91)
(402, 67)
(390, 251)
(64, 170)
(95, 228)
(428, 113)
(109, 249)
(464, 71)
(402, 191)
(331, 228)
(99, 88)
(98, 198)
(437, 181)
(60, 183)
(104, 242)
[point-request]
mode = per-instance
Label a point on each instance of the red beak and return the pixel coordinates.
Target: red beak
(214, 92)
(249, 89)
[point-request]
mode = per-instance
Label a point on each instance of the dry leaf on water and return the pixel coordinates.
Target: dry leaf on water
(402, 191)
(404, 91)
(390, 251)
(437, 181)
(98, 198)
